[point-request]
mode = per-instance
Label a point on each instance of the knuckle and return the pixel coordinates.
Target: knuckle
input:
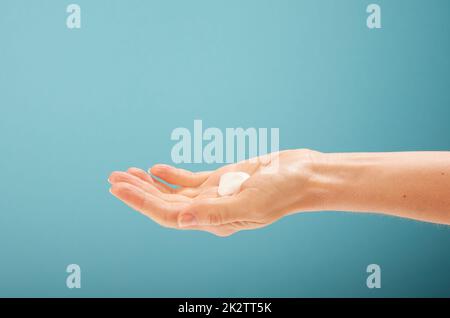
(214, 219)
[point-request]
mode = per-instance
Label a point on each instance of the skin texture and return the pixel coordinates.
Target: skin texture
(406, 184)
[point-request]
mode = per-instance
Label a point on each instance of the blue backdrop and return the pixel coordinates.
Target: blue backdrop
(78, 104)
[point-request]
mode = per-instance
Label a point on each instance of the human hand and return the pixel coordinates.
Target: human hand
(278, 185)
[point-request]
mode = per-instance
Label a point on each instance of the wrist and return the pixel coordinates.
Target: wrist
(312, 180)
(346, 181)
(326, 180)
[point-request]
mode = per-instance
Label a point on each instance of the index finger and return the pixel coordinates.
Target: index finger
(162, 212)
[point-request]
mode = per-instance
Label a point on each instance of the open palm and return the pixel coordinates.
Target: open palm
(194, 202)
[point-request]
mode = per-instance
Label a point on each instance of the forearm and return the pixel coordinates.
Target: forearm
(408, 184)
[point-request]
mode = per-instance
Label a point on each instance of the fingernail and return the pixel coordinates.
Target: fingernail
(186, 220)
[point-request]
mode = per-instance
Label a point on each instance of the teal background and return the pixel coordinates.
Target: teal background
(78, 104)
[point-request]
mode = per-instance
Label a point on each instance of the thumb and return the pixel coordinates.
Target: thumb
(212, 211)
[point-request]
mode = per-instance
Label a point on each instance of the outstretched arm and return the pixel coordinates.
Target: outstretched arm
(407, 184)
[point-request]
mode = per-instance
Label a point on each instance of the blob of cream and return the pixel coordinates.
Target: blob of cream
(230, 183)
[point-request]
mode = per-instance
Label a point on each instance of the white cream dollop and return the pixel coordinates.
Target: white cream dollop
(230, 182)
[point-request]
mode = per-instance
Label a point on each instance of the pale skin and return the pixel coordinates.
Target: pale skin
(414, 185)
